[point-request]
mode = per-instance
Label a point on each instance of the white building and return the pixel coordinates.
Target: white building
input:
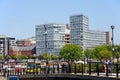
(52, 41)
(82, 36)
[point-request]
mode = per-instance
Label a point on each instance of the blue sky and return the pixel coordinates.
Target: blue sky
(19, 17)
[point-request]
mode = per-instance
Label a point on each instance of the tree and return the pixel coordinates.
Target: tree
(1, 57)
(102, 52)
(116, 52)
(71, 51)
(45, 56)
(53, 57)
(20, 57)
(87, 53)
(40, 57)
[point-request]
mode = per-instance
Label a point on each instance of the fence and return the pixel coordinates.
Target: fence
(60, 68)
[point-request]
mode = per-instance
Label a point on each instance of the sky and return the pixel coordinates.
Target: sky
(19, 17)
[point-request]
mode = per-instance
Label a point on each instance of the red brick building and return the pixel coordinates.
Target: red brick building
(22, 50)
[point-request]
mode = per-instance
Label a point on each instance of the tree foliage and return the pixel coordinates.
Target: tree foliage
(49, 56)
(116, 51)
(40, 57)
(89, 53)
(71, 51)
(102, 51)
(1, 57)
(53, 57)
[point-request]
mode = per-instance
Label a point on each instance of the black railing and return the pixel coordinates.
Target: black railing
(91, 68)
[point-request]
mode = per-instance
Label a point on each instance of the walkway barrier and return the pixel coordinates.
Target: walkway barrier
(90, 68)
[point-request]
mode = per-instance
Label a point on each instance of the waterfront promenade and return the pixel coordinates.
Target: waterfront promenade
(64, 76)
(71, 76)
(57, 71)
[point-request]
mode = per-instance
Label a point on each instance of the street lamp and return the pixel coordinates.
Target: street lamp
(112, 27)
(46, 50)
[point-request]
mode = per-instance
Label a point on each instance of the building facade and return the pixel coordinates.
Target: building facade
(23, 43)
(26, 42)
(67, 34)
(82, 36)
(5, 44)
(95, 38)
(23, 50)
(50, 38)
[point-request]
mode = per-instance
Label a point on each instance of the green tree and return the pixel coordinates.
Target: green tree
(116, 52)
(53, 57)
(49, 56)
(45, 56)
(71, 51)
(40, 57)
(20, 57)
(87, 53)
(1, 57)
(102, 52)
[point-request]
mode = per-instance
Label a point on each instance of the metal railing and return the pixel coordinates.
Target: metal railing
(91, 68)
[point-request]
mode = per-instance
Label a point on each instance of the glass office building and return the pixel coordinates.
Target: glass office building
(82, 36)
(50, 38)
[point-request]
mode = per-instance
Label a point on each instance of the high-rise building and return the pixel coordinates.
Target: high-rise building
(50, 38)
(82, 36)
(5, 43)
(95, 38)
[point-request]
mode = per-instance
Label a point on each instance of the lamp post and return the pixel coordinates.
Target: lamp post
(112, 27)
(46, 50)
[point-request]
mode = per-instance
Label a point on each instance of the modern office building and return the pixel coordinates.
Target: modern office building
(94, 38)
(50, 38)
(5, 43)
(82, 36)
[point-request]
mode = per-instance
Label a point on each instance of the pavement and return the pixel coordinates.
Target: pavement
(3, 78)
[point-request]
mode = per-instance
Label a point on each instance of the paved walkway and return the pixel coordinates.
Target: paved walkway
(3, 78)
(100, 74)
